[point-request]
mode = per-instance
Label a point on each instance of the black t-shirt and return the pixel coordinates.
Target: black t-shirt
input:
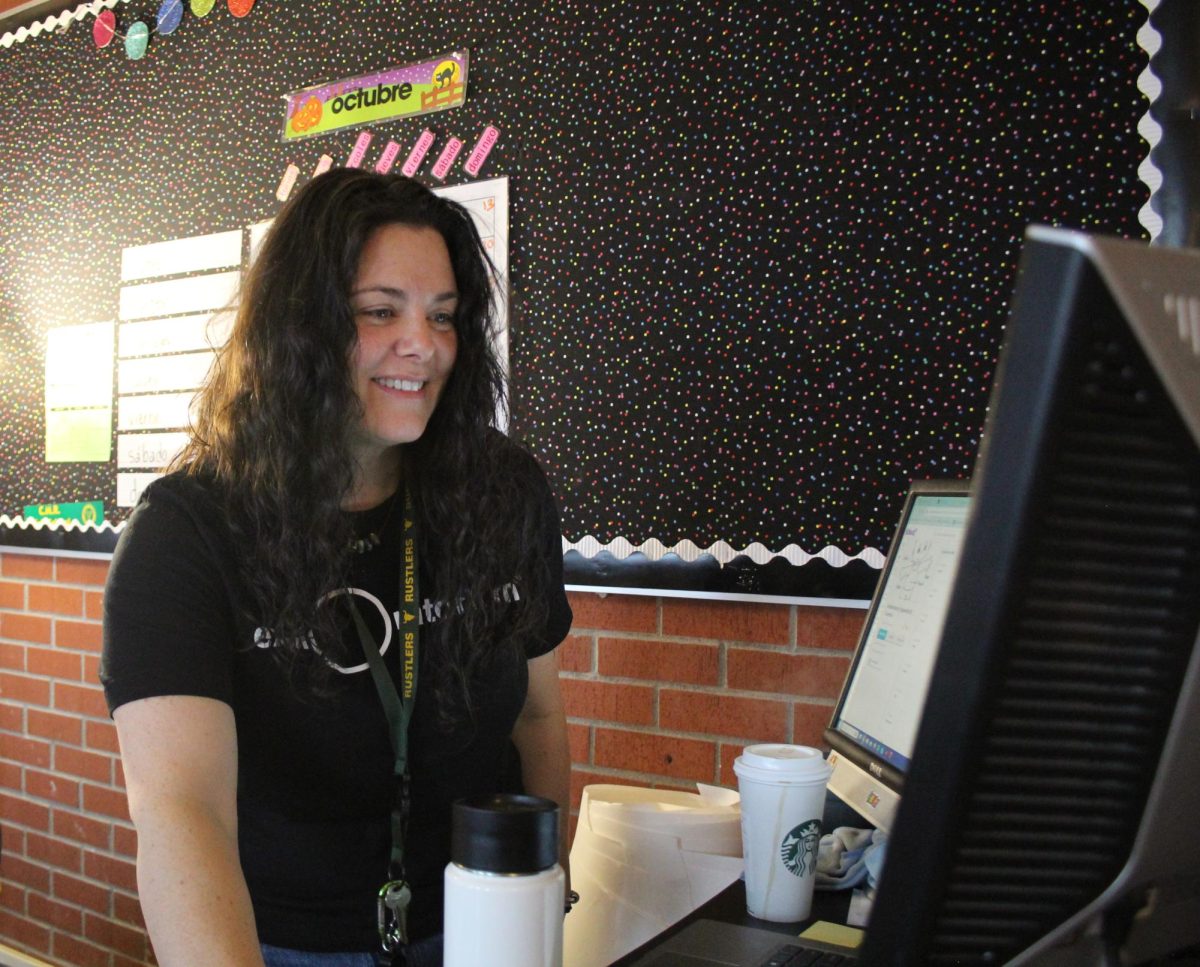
(314, 774)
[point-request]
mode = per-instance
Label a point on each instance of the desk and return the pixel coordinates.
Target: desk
(729, 906)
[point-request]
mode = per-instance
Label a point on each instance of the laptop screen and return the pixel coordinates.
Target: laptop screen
(875, 722)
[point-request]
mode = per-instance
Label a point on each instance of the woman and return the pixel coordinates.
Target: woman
(345, 430)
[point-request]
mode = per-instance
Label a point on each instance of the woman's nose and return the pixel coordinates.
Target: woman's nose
(413, 337)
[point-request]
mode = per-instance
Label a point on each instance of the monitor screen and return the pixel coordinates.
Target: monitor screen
(874, 725)
(883, 697)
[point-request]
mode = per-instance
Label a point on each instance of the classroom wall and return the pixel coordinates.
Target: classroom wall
(659, 691)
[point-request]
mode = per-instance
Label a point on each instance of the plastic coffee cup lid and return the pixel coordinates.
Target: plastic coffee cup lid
(798, 764)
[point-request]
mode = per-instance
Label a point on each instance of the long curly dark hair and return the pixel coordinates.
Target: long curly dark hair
(272, 429)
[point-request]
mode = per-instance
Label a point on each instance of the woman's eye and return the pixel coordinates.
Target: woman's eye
(443, 320)
(381, 314)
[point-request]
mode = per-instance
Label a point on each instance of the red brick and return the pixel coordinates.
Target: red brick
(127, 909)
(74, 570)
(84, 699)
(102, 736)
(716, 713)
(51, 725)
(81, 635)
(33, 566)
(83, 893)
(13, 842)
(55, 914)
(31, 875)
(809, 723)
(91, 668)
(54, 663)
(20, 688)
(12, 717)
(124, 840)
(19, 810)
(106, 802)
(829, 627)
(575, 654)
(659, 755)
(726, 620)
(614, 612)
(82, 829)
(71, 950)
(86, 765)
(12, 898)
(10, 776)
(53, 852)
(627, 704)
(25, 627)
(663, 661)
(12, 656)
(46, 785)
(25, 933)
(726, 754)
(29, 752)
(116, 936)
(93, 605)
(579, 737)
(12, 595)
(811, 676)
(119, 873)
(55, 599)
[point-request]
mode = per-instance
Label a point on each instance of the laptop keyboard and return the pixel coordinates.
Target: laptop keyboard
(790, 955)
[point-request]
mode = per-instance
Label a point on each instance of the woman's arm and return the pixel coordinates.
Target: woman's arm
(541, 739)
(179, 753)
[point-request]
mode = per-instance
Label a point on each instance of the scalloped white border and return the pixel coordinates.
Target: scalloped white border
(42, 524)
(654, 549)
(589, 547)
(1150, 40)
(56, 23)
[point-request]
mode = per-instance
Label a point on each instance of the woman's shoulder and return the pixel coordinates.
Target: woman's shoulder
(181, 485)
(510, 456)
(176, 507)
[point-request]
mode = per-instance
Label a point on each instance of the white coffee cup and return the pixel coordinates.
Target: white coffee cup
(783, 798)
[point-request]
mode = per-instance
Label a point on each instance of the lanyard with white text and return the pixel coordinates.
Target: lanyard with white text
(394, 896)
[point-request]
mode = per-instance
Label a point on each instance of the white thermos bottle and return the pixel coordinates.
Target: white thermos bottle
(504, 889)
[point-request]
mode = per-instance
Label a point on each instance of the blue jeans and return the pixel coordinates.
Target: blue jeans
(423, 953)
(282, 957)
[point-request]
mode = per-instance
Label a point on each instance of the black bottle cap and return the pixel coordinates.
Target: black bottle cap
(504, 833)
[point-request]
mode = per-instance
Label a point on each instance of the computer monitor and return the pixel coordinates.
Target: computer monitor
(1049, 815)
(874, 725)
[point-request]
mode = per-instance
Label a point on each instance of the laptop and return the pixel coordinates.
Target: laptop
(711, 943)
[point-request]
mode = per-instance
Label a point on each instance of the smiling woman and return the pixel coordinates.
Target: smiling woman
(343, 494)
(404, 300)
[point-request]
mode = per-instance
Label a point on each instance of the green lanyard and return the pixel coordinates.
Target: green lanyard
(395, 895)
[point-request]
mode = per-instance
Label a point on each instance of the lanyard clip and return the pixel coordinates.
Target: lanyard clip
(391, 914)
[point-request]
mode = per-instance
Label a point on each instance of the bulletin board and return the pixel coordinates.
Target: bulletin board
(759, 253)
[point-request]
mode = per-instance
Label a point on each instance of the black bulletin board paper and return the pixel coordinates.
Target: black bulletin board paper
(760, 252)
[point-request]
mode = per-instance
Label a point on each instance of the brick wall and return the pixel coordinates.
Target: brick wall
(659, 692)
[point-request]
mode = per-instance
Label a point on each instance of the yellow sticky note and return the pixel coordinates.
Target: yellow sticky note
(834, 933)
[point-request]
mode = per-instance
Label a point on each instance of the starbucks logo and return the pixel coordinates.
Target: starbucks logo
(799, 848)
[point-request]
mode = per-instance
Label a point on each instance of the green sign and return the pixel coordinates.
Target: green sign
(86, 512)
